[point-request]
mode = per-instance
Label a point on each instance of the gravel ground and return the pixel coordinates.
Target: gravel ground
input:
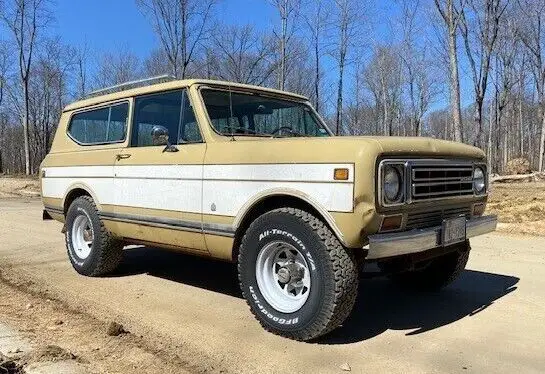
(186, 313)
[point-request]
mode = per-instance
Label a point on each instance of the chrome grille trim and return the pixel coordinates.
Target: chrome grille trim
(428, 179)
(439, 179)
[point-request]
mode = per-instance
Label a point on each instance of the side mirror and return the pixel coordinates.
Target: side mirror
(159, 136)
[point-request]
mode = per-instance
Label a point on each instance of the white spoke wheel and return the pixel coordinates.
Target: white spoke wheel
(91, 248)
(297, 278)
(283, 276)
(82, 236)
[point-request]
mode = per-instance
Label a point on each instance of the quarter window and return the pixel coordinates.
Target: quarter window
(171, 110)
(100, 126)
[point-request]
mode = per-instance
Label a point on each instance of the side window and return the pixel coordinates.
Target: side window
(189, 129)
(100, 126)
(170, 110)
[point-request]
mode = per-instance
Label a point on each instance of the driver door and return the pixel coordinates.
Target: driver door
(158, 190)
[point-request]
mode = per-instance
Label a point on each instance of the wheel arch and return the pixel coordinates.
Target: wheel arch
(270, 200)
(74, 191)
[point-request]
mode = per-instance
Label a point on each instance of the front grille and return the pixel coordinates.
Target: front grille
(429, 181)
(419, 220)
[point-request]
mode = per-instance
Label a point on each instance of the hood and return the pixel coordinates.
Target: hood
(341, 148)
(418, 146)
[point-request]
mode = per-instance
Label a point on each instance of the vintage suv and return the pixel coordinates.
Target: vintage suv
(254, 176)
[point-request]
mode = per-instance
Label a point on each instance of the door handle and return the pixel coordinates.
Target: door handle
(122, 156)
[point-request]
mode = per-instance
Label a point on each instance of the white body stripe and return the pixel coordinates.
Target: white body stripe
(230, 196)
(277, 172)
(196, 188)
(102, 188)
(166, 194)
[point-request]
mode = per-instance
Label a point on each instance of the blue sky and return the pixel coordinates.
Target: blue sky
(108, 25)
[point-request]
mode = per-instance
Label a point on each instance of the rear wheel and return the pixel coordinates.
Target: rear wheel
(92, 249)
(433, 274)
(298, 279)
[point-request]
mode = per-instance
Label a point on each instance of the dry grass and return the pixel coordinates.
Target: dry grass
(13, 186)
(520, 207)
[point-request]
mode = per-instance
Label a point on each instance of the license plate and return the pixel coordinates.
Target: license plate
(454, 230)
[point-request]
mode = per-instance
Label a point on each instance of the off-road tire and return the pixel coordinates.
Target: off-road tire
(106, 251)
(438, 273)
(334, 274)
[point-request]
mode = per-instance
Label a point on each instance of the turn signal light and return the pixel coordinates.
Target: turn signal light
(478, 209)
(390, 223)
(340, 174)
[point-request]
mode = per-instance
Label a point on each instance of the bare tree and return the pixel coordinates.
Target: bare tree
(81, 60)
(115, 68)
(157, 63)
(480, 25)
(181, 25)
(383, 79)
(25, 19)
(316, 24)
(420, 85)
(242, 55)
(452, 17)
(346, 19)
(4, 66)
(288, 11)
(532, 34)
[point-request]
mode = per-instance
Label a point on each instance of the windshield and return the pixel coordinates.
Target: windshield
(235, 113)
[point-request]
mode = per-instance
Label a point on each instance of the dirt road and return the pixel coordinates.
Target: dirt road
(490, 320)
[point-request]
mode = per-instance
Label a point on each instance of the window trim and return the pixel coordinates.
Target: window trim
(102, 106)
(133, 116)
(306, 103)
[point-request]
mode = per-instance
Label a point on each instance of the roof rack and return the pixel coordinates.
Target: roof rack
(132, 84)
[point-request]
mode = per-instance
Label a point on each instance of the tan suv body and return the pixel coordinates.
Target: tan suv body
(228, 170)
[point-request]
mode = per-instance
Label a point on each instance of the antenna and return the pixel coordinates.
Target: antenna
(132, 84)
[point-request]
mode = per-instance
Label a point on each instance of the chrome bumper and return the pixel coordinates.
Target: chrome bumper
(420, 240)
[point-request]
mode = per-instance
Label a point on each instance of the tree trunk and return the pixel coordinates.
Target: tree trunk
(479, 121)
(489, 148)
(282, 79)
(521, 129)
(25, 128)
(340, 99)
(542, 138)
(455, 87)
(386, 130)
(317, 72)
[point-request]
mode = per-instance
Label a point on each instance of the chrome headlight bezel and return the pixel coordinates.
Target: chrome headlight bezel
(392, 171)
(480, 180)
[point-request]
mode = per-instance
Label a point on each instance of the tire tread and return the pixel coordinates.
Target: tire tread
(345, 273)
(110, 249)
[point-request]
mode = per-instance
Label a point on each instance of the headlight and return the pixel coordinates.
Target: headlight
(391, 184)
(479, 181)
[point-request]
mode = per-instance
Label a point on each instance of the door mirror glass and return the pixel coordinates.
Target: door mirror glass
(159, 135)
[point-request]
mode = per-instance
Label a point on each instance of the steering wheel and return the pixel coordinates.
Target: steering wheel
(288, 128)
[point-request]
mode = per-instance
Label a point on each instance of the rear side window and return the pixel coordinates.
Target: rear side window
(100, 126)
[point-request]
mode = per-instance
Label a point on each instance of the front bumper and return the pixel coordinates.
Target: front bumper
(420, 240)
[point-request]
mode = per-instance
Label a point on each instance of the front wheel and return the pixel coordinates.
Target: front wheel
(298, 279)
